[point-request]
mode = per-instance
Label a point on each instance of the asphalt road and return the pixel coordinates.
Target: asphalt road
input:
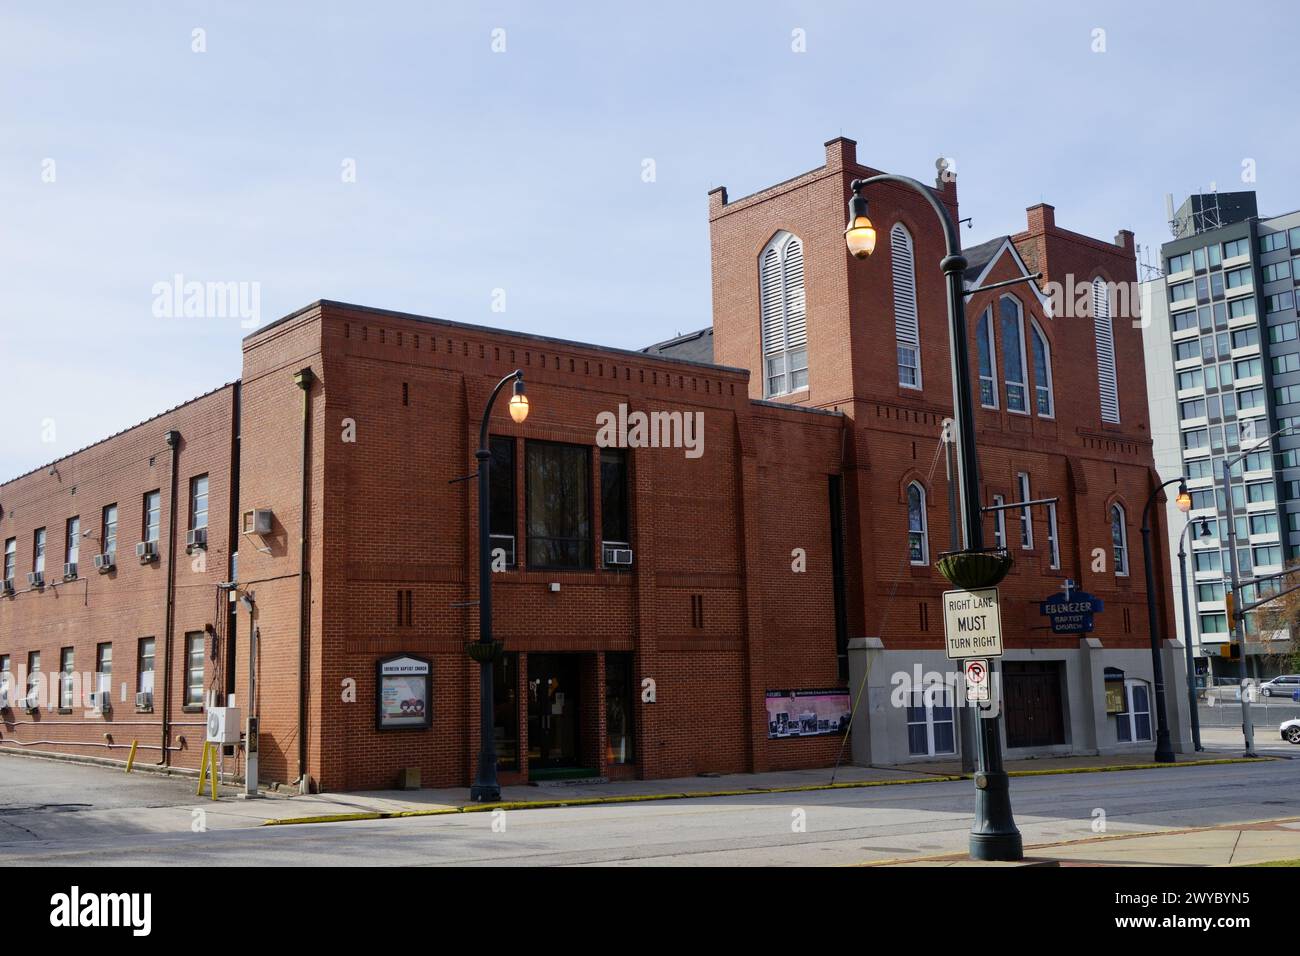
(61, 814)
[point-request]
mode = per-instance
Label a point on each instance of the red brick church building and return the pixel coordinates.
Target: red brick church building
(712, 602)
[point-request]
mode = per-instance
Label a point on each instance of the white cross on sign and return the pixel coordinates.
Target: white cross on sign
(972, 624)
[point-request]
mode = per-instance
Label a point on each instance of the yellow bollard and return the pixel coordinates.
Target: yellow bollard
(212, 769)
(203, 766)
(130, 759)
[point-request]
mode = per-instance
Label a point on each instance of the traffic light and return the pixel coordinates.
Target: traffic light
(1232, 651)
(1230, 600)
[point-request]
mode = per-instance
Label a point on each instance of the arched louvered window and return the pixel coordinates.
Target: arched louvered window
(1107, 383)
(1042, 372)
(918, 543)
(1013, 352)
(1119, 539)
(784, 316)
(906, 332)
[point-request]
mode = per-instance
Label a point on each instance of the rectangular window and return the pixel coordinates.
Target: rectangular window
(909, 364)
(558, 493)
(501, 496)
(1237, 278)
(1208, 561)
(6, 674)
(1250, 398)
(1026, 515)
(34, 675)
(198, 502)
(72, 541)
(1286, 363)
(1244, 337)
(67, 675)
(1013, 354)
(1259, 491)
(1240, 308)
(620, 698)
(152, 515)
(1263, 524)
(1189, 379)
(987, 360)
(1266, 557)
(614, 525)
(1237, 247)
(1181, 291)
(1193, 409)
(104, 668)
(1182, 321)
(1195, 438)
(999, 523)
(194, 646)
(1281, 302)
(38, 556)
(108, 533)
(930, 722)
(1207, 593)
(1192, 349)
(144, 666)
(1276, 271)
(1053, 540)
(1135, 722)
(1247, 368)
(11, 558)
(1271, 242)
(1179, 263)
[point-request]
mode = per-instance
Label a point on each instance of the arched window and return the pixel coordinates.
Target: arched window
(1013, 353)
(1119, 539)
(906, 331)
(918, 543)
(988, 360)
(784, 317)
(1042, 371)
(1107, 382)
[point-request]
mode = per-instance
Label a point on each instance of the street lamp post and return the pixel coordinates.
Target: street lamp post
(1164, 745)
(994, 835)
(485, 788)
(1187, 629)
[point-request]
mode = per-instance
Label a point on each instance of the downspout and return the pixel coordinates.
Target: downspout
(169, 625)
(303, 379)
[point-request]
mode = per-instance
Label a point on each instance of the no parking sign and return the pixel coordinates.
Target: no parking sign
(977, 681)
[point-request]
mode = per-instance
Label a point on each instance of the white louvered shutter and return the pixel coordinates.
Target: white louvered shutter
(1107, 383)
(904, 269)
(796, 317)
(772, 302)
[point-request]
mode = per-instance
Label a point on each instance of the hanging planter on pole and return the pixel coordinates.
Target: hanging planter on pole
(484, 651)
(972, 570)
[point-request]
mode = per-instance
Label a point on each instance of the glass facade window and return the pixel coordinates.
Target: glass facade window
(1192, 378)
(1237, 247)
(1179, 263)
(1215, 256)
(1281, 302)
(1286, 363)
(1185, 351)
(1207, 593)
(1216, 284)
(620, 700)
(1240, 308)
(1242, 338)
(558, 492)
(505, 701)
(1275, 271)
(1192, 409)
(1285, 332)
(1272, 241)
(1180, 291)
(1263, 524)
(1181, 322)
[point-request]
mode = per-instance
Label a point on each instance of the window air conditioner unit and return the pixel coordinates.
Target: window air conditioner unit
(8, 586)
(258, 521)
(70, 571)
(30, 702)
(4, 697)
(105, 562)
(617, 554)
(196, 540)
(147, 551)
(506, 542)
(35, 579)
(101, 701)
(144, 700)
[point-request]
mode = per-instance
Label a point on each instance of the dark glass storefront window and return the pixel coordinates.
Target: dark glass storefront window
(558, 492)
(505, 699)
(501, 491)
(619, 698)
(613, 495)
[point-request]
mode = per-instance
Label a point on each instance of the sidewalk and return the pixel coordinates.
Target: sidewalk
(1237, 844)
(385, 804)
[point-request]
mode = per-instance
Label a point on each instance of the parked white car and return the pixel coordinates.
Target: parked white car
(1291, 731)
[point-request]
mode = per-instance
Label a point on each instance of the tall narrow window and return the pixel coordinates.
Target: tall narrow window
(11, 558)
(1107, 382)
(1119, 540)
(194, 669)
(152, 515)
(559, 505)
(906, 330)
(108, 534)
(144, 666)
(988, 360)
(34, 677)
(1134, 722)
(613, 496)
(198, 502)
(619, 702)
(501, 495)
(1026, 515)
(38, 555)
(999, 523)
(505, 726)
(1042, 371)
(918, 544)
(1013, 353)
(104, 667)
(72, 542)
(783, 315)
(1053, 538)
(67, 677)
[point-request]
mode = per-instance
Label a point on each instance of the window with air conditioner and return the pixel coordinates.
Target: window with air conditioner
(615, 533)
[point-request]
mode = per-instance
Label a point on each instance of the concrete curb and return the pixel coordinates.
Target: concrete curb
(702, 794)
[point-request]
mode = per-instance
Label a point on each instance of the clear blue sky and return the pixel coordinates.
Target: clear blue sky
(522, 170)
